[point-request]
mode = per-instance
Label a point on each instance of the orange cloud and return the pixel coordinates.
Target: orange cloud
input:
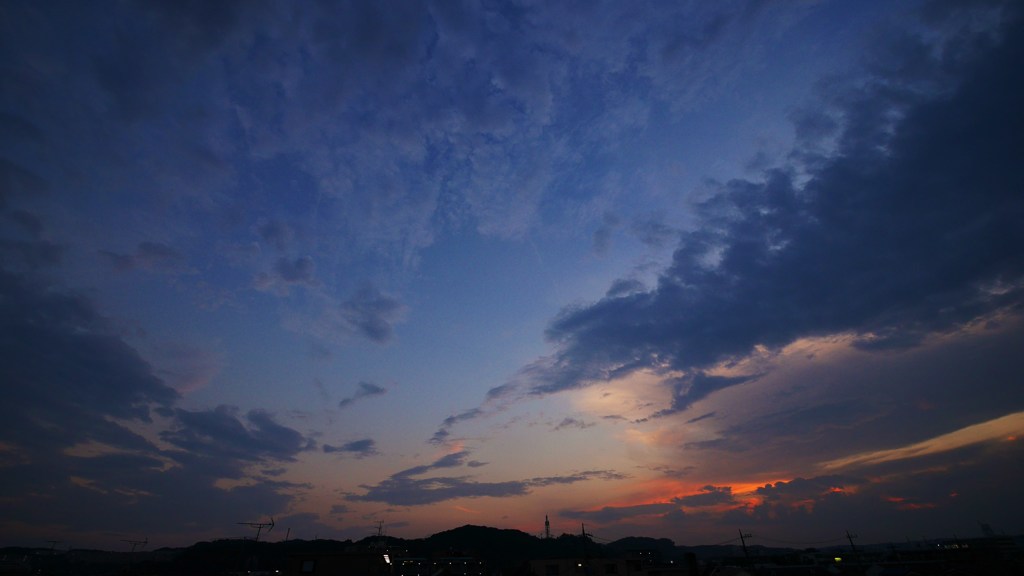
(998, 428)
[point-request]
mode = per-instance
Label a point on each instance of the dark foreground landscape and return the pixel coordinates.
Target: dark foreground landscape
(483, 551)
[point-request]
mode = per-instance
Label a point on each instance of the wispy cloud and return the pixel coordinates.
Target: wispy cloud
(150, 256)
(358, 448)
(569, 422)
(405, 488)
(364, 390)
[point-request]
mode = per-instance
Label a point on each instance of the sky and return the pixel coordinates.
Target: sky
(667, 269)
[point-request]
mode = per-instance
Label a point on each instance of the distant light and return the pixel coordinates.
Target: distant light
(387, 559)
(839, 559)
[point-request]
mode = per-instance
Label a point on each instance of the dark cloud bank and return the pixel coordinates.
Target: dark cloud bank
(910, 226)
(77, 398)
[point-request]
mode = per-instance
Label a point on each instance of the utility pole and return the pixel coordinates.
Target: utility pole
(586, 562)
(850, 537)
(743, 542)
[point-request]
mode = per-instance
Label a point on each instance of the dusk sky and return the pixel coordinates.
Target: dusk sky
(668, 269)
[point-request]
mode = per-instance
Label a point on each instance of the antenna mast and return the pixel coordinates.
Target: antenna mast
(850, 537)
(259, 526)
(136, 543)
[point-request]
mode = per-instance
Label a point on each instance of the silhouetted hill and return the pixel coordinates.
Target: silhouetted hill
(503, 550)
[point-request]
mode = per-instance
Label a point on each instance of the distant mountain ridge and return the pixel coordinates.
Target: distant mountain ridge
(498, 547)
(505, 550)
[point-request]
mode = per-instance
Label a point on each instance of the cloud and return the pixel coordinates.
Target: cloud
(368, 313)
(892, 236)
(697, 386)
(443, 432)
(801, 489)
(295, 270)
(1009, 426)
(577, 477)
(278, 234)
(622, 287)
(80, 409)
(613, 514)
(404, 488)
(603, 235)
(708, 496)
(67, 376)
(572, 423)
(365, 390)
(185, 366)
(220, 435)
(654, 232)
(32, 254)
(149, 256)
(287, 272)
(909, 494)
(701, 417)
(372, 313)
(358, 448)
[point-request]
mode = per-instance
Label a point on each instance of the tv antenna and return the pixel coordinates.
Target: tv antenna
(259, 526)
(136, 543)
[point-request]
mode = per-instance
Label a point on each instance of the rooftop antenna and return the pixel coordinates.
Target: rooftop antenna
(131, 555)
(136, 543)
(259, 526)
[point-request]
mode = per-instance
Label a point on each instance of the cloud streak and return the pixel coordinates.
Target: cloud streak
(358, 448)
(1006, 427)
(364, 390)
(407, 488)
